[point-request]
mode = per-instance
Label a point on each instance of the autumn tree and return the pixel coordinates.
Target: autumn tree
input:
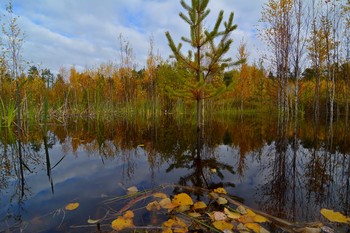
(205, 58)
(244, 76)
(277, 29)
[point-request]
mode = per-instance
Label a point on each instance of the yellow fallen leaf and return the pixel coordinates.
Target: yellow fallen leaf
(128, 214)
(246, 219)
(72, 206)
(93, 221)
(176, 224)
(222, 225)
(250, 213)
(242, 210)
(121, 223)
(221, 201)
(231, 214)
(253, 226)
(334, 216)
(166, 204)
(220, 190)
(182, 199)
(219, 216)
(160, 195)
(153, 206)
(213, 170)
(260, 219)
(141, 145)
(182, 208)
(194, 214)
(199, 205)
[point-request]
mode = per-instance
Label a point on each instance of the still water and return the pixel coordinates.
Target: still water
(287, 171)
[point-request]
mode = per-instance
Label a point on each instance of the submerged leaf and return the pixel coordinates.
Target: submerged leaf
(160, 195)
(153, 206)
(222, 225)
(166, 204)
(182, 199)
(334, 216)
(72, 206)
(194, 214)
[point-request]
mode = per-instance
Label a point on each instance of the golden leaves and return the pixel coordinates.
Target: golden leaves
(334, 216)
(222, 225)
(72, 206)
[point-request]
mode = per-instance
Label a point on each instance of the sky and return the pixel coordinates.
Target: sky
(85, 33)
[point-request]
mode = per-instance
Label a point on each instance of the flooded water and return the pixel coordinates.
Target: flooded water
(286, 171)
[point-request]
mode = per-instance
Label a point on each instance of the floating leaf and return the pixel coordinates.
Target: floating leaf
(132, 190)
(220, 190)
(250, 213)
(128, 214)
(199, 205)
(221, 201)
(231, 214)
(72, 206)
(182, 199)
(213, 170)
(160, 195)
(260, 219)
(222, 225)
(246, 219)
(177, 224)
(183, 208)
(194, 214)
(334, 216)
(153, 206)
(121, 223)
(141, 145)
(241, 209)
(253, 226)
(219, 216)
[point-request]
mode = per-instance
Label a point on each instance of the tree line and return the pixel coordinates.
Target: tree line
(304, 71)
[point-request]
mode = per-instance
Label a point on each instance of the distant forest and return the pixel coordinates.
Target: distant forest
(306, 71)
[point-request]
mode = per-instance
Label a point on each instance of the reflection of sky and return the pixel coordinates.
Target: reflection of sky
(87, 178)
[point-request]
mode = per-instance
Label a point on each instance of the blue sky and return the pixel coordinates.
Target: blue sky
(85, 33)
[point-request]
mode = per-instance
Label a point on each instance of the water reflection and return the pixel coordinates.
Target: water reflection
(285, 168)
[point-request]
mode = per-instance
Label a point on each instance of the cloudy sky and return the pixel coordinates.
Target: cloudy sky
(85, 33)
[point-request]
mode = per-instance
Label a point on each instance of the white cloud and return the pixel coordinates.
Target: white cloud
(85, 32)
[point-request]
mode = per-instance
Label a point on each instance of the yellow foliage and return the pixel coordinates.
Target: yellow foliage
(72, 206)
(335, 216)
(222, 225)
(182, 199)
(221, 201)
(250, 213)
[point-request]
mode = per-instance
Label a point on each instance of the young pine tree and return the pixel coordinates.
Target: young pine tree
(205, 59)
